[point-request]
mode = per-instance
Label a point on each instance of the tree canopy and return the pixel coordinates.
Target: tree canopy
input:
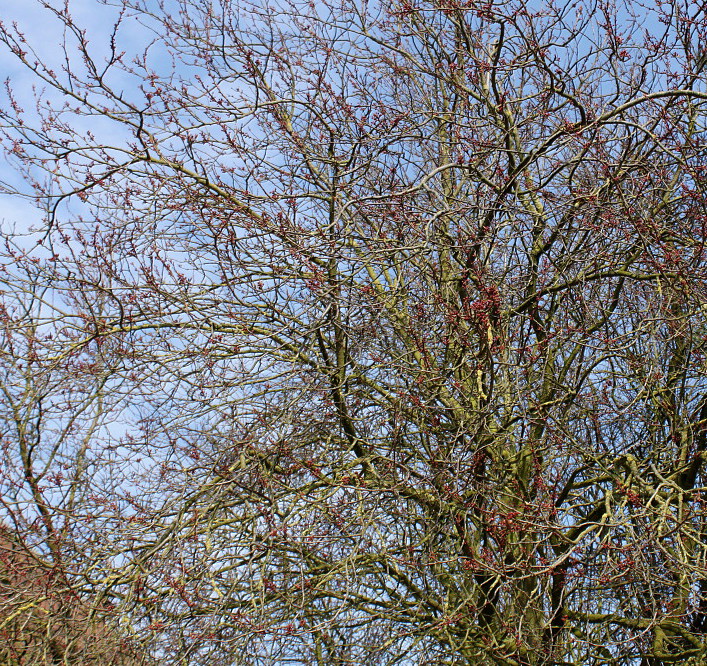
(364, 333)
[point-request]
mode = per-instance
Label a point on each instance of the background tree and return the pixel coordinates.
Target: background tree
(43, 622)
(366, 333)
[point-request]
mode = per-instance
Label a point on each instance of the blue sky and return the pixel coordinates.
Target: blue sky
(45, 35)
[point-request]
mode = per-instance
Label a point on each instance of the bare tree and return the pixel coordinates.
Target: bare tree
(361, 333)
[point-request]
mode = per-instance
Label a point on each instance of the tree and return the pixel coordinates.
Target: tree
(42, 622)
(361, 333)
